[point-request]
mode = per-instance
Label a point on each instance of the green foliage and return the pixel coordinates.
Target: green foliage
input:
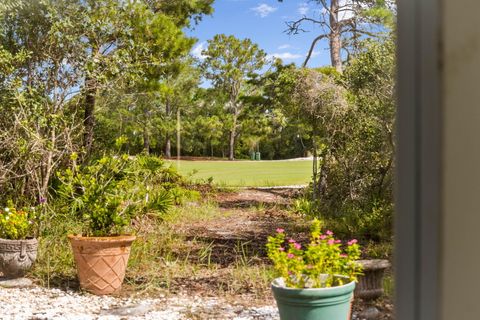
(305, 206)
(357, 148)
(325, 262)
(95, 195)
(378, 250)
(229, 64)
(230, 61)
(17, 224)
(375, 224)
(109, 193)
(183, 11)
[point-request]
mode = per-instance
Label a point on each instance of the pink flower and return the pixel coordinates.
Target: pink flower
(297, 246)
(323, 237)
(353, 241)
(281, 249)
(343, 255)
(338, 241)
(280, 230)
(329, 233)
(309, 266)
(291, 240)
(331, 241)
(290, 255)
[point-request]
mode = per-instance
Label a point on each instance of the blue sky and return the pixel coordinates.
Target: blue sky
(264, 23)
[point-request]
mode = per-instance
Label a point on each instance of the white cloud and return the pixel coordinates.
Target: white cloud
(303, 8)
(285, 56)
(197, 50)
(263, 10)
(284, 46)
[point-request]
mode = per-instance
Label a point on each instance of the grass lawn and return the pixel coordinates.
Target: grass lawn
(248, 173)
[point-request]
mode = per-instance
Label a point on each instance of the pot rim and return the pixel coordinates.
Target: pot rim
(31, 240)
(79, 237)
(275, 283)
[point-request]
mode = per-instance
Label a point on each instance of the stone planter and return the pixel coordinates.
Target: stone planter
(101, 262)
(17, 256)
(370, 284)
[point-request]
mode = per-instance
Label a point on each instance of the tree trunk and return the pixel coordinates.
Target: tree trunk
(89, 116)
(168, 146)
(335, 38)
(178, 134)
(314, 172)
(146, 141)
(168, 141)
(322, 181)
(233, 132)
(47, 167)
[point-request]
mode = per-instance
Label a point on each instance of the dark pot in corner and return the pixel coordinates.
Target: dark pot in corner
(17, 256)
(370, 284)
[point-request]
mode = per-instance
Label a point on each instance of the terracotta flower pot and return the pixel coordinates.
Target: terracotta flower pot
(101, 262)
(17, 256)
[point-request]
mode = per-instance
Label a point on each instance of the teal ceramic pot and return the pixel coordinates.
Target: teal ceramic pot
(332, 303)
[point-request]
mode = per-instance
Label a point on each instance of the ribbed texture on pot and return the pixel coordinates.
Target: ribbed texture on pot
(17, 256)
(101, 262)
(370, 284)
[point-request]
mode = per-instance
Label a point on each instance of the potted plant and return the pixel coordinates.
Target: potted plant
(18, 247)
(103, 197)
(370, 284)
(315, 282)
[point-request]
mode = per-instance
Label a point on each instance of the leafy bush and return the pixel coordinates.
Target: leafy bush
(374, 224)
(107, 194)
(356, 164)
(306, 207)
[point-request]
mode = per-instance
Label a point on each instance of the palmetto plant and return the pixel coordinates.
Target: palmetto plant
(107, 194)
(6, 5)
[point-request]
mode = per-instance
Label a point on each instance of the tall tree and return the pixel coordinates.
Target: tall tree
(131, 39)
(177, 92)
(38, 81)
(123, 42)
(230, 63)
(342, 23)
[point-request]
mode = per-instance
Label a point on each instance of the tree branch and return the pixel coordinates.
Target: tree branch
(312, 46)
(294, 27)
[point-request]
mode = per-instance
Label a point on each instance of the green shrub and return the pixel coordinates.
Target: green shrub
(108, 193)
(373, 224)
(305, 207)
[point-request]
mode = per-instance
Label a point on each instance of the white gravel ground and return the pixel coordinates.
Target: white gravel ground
(37, 303)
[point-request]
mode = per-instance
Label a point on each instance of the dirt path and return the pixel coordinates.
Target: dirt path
(249, 217)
